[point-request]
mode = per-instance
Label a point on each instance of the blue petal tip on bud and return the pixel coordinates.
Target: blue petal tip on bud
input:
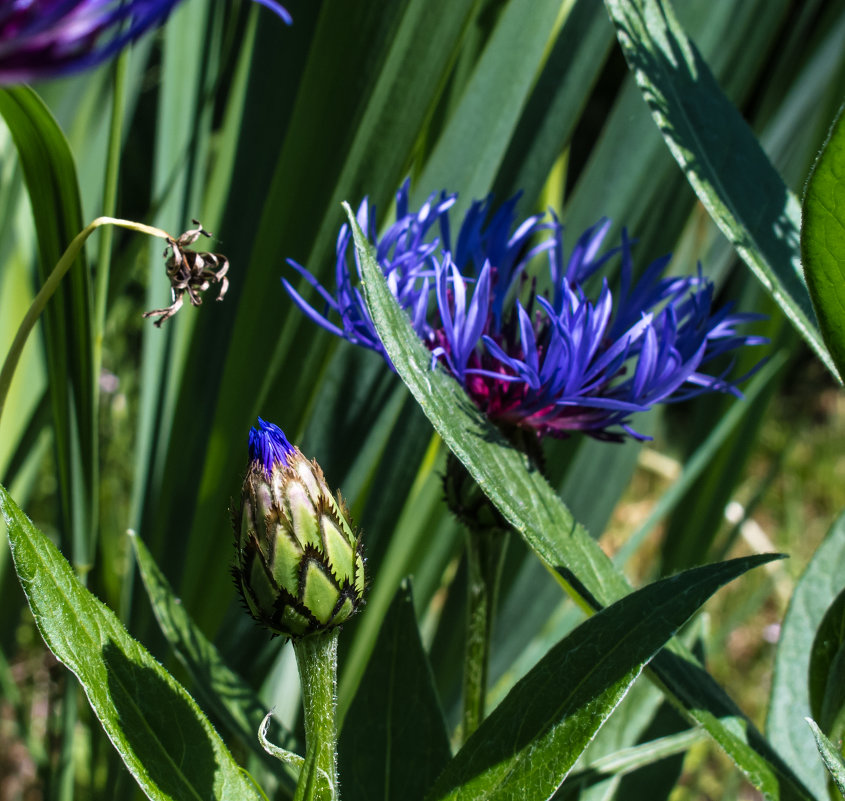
(268, 445)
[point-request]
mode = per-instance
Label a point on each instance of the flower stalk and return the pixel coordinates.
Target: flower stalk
(299, 568)
(485, 557)
(316, 659)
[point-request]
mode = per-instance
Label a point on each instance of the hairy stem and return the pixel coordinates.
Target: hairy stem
(316, 658)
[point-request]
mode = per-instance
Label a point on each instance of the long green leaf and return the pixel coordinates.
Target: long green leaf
(164, 739)
(221, 690)
(789, 702)
(823, 240)
(394, 741)
(554, 107)
(530, 742)
(51, 182)
(639, 756)
(490, 106)
(50, 175)
(530, 505)
(720, 156)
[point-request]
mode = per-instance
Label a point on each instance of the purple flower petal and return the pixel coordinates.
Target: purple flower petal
(45, 38)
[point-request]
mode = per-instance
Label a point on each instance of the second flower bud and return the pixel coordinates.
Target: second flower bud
(299, 564)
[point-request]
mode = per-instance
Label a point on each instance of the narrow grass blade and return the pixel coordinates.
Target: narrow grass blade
(630, 759)
(394, 741)
(348, 97)
(51, 182)
(823, 240)
(720, 156)
(554, 106)
(491, 104)
(164, 739)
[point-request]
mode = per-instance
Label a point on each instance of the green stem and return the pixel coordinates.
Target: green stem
(485, 557)
(316, 658)
(49, 288)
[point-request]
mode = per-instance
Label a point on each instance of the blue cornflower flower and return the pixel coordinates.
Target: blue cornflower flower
(45, 38)
(560, 361)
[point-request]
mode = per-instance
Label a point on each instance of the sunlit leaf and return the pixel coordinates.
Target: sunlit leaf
(789, 702)
(721, 157)
(533, 738)
(221, 690)
(161, 734)
(832, 758)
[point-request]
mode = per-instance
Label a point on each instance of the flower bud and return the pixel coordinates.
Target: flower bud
(299, 564)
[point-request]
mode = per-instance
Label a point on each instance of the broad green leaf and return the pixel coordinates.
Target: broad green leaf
(826, 678)
(789, 701)
(530, 742)
(161, 734)
(394, 742)
(221, 690)
(720, 156)
(823, 240)
(630, 176)
(832, 758)
(530, 505)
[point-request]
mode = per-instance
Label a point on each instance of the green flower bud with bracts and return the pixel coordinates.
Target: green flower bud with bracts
(299, 564)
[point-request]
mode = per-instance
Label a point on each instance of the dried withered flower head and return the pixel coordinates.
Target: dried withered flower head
(191, 272)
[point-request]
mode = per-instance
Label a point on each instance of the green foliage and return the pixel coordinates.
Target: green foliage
(827, 663)
(823, 239)
(164, 739)
(525, 499)
(722, 160)
(531, 741)
(50, 175)
(820, 584)
(261, 131)
(394, 742)
(832, 758)
(222, 691)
